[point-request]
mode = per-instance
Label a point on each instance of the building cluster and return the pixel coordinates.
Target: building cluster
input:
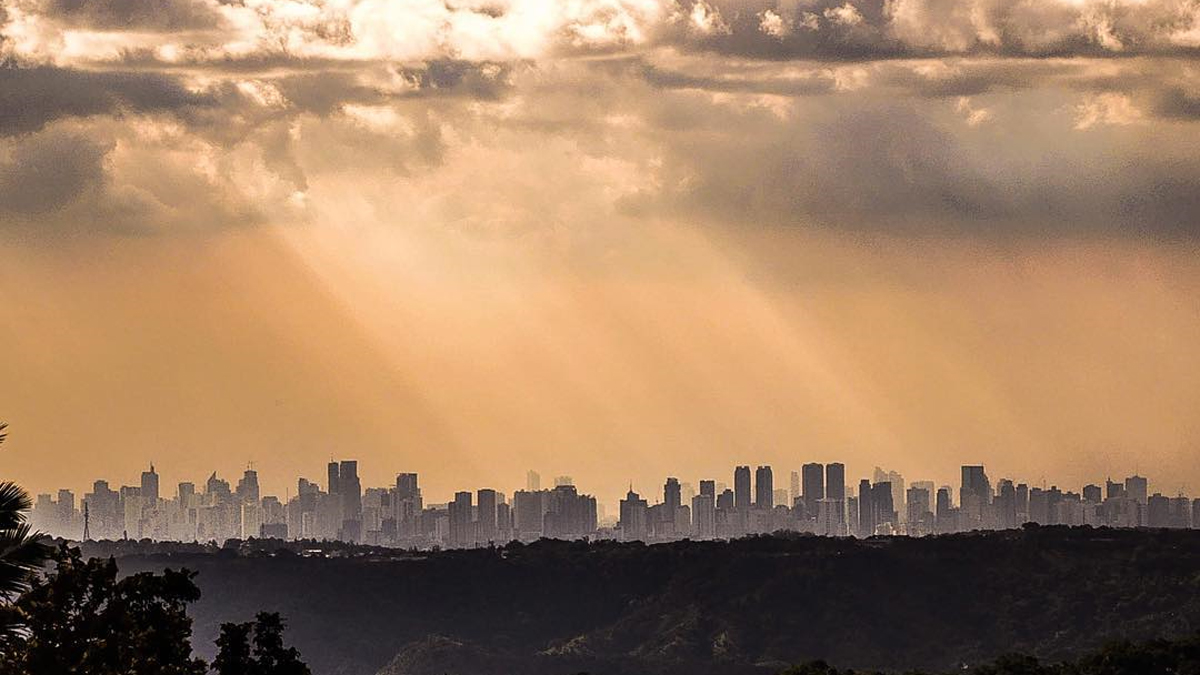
(342, 511)
(818, 500)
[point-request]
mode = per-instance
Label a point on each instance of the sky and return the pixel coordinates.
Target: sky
(613, 239)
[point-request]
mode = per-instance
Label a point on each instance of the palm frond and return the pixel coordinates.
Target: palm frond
(3, 433)
(22, 552)
(14, 502)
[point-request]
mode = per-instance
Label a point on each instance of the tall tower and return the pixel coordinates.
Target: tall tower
(741, 488)
(150, 486)
(334, 487)
(835, 481)
(672, 496)
(764, 488)
(813, 477)
(87, 523)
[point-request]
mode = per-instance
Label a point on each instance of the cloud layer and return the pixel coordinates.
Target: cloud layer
(981, 117)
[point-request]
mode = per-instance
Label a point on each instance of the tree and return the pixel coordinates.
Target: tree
(233, 645)
(270, 656)
(21, 550)
(82, 619)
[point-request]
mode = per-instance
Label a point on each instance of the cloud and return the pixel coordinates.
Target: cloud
(46, 173)
(134, 15)
(30, 98)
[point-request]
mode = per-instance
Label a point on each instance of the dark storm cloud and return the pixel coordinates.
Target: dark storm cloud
(807, 84)
(856, 163)
(134, 15)
(47, 172)
(324, 93)
(30, 98)
(859, 30)
(1177, 103)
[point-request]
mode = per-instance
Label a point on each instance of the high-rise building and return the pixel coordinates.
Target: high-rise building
(1136, 488)
(149, 489)
(529, 510)
(633, 517)
(247, 487)
(835, 481)
(884, 516)
(764, 489)
(334, 478)
(943, 513)
(920, 520)
(866, 509)
(350, 498)
(812, 477)
(974, 496)
(708, 487)
(462, 530)
(704, 515)
(533, 481)
(1113, 490)
(672, 497)
(486, 515)
(741, 488)
(1005, 506)
(569, 514)
(794, 492)
(407, 504)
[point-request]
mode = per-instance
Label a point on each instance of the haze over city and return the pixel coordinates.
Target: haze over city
(539, 337)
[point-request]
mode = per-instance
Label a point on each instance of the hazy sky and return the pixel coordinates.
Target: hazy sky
(617, 239)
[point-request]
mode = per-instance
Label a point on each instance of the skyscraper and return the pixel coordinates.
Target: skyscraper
(764, 488)
(461, 522)
(704, 515)
(866, 510)
(350, 491)
(533, 481)
(633, 517)
(333, 487)
(813, 479)
(835, 481)
(150, 486)
(741, 488)
(247, 487)
(407, 504)
(974, 496)
(1136, 488)
(486, 516)
(671, 496)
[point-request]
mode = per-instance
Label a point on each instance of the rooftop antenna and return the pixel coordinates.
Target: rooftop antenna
(87, 525)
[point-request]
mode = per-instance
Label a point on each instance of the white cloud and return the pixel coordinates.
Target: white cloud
(846, 15)
(772, 24)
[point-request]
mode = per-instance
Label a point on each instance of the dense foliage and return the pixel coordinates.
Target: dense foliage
(1156, 657)
(22, 551)
(83, 617)
(256, 649)
(757, 604)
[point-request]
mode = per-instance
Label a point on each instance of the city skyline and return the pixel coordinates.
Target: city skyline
(446, 487)
(819, 499)
(610, 237)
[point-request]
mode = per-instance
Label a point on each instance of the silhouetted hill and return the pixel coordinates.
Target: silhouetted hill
(711, 607)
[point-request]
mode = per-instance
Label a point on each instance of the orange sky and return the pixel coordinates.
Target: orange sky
(1066, 363)
(616, 239)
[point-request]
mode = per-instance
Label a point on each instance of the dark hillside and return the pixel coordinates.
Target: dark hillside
(895, 603)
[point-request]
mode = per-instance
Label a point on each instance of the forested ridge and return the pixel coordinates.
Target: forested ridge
(754, 605)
